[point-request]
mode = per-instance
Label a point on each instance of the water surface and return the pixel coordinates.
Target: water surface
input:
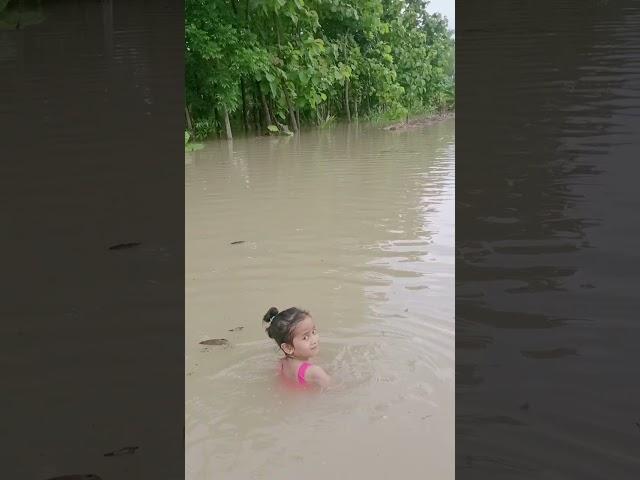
(91, 114)
(355, 224)
(546, 309)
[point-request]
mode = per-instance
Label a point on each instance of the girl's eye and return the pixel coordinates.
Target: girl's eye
(306, 337)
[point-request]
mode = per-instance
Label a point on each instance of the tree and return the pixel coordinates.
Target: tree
(279, 64)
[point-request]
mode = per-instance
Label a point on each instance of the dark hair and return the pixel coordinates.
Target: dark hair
(281, 324)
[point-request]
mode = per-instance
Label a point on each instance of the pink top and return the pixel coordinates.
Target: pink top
(302, 370)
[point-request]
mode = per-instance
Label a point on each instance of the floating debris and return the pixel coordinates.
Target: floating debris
(121, 246)
(122, 451)
(237, 242)
(237, 329)
(215, 341)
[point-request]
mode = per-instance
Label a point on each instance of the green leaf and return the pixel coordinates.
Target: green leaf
(273, 128)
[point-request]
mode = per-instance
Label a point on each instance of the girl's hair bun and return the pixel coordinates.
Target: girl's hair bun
(282, 330)
(272, 312)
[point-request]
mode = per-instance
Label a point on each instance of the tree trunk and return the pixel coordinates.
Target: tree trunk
(355, 108)
(257, 117)
(346, 99)
(292, 114)
(265, 110)
(298, 117)
(245, 119)
(188, 117)
(227, 124)
(217, 120)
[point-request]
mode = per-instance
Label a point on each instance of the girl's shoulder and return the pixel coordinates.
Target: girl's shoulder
(289, 366)
(317, 375)
(313, 370)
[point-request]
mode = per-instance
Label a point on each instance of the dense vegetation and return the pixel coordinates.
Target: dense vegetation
(273, 65)
(18, 14)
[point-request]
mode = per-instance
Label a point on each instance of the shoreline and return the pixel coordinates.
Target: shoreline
(413, 123)
(421, 121)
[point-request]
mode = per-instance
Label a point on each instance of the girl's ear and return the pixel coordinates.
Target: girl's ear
(286, 348)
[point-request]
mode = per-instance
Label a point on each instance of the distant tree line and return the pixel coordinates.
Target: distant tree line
(274, 65)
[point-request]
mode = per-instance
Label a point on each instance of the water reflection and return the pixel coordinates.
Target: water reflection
(89, 164)
(533, 270)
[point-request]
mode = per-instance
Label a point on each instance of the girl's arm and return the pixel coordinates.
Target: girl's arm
(318, 376)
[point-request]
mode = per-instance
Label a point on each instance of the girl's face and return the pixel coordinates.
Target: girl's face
(306, 341)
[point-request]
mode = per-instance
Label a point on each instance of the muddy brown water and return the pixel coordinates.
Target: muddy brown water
(546, 240)
(355, 224)
(91, 114)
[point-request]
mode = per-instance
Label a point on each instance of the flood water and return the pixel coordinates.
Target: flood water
(355, 224)
(546, 303)
(91, 115)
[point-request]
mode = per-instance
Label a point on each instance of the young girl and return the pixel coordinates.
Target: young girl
(295, 333)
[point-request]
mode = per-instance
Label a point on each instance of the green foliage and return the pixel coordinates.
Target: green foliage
(203, 128)
(328, 121)
(20, 14)
(190, 146)
(274, 63)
